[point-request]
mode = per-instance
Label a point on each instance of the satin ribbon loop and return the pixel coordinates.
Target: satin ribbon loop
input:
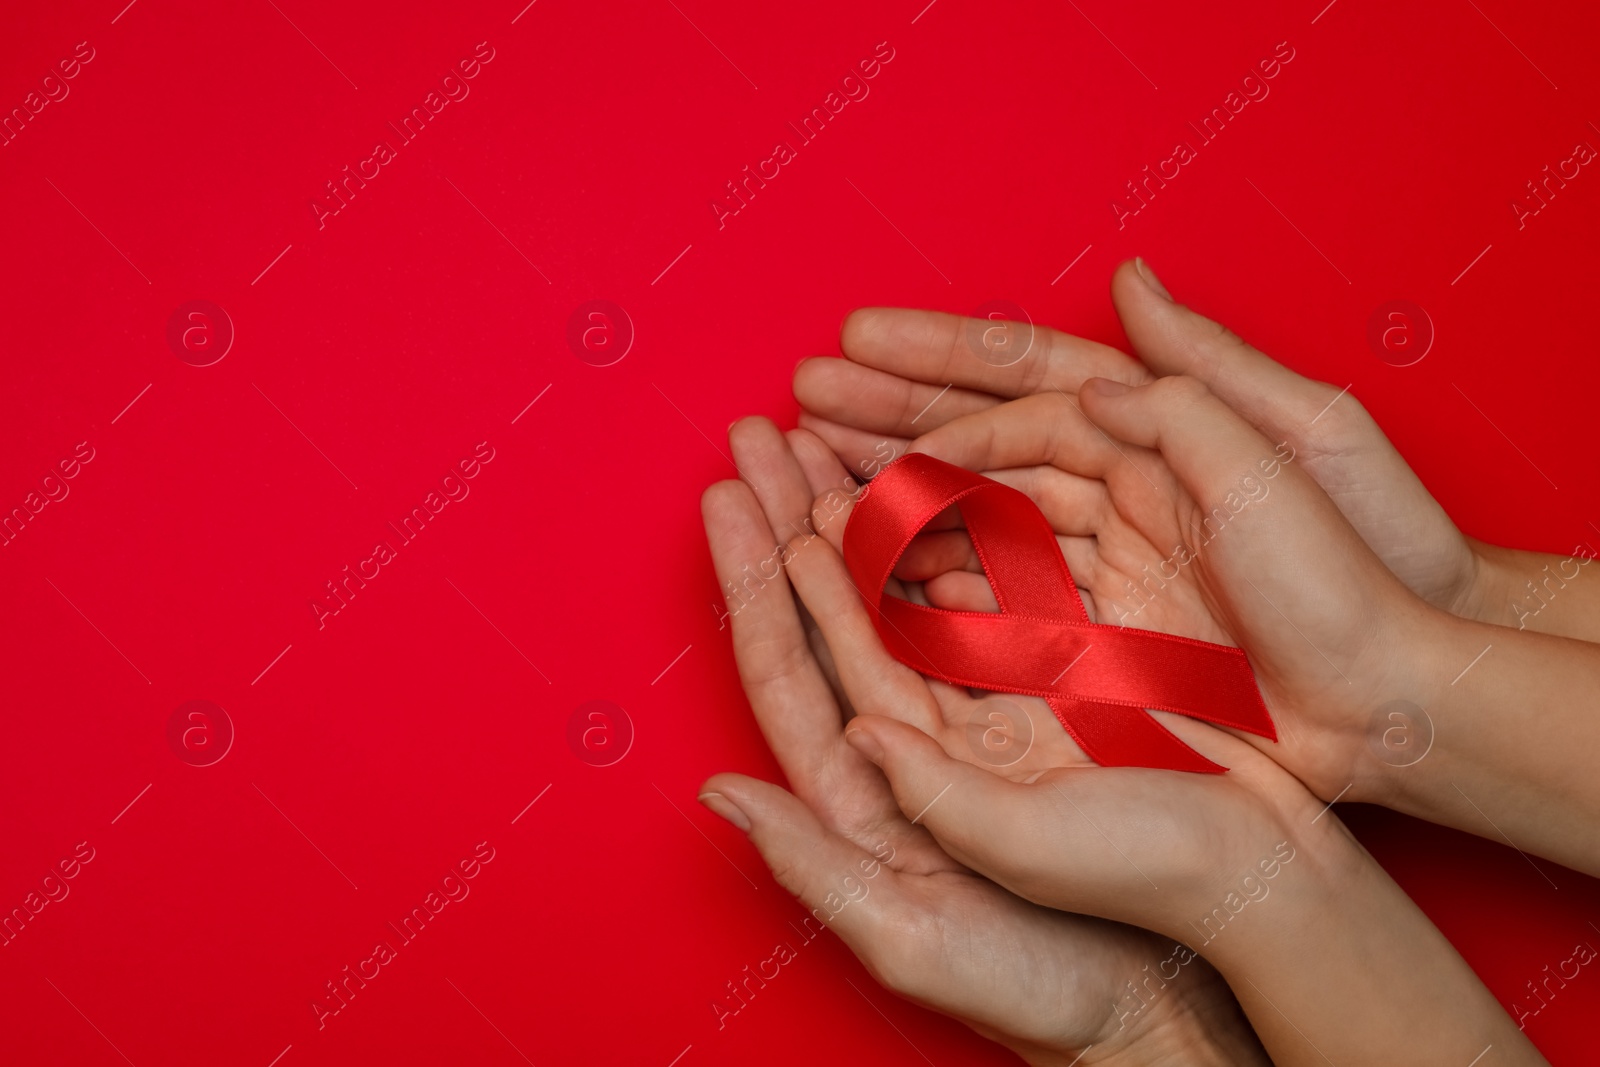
(1098, 679)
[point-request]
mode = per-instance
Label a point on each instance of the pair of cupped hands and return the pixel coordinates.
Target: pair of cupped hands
(1085, 914)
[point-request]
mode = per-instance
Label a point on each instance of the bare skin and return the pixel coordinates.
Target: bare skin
(899, 361)
(1047, 984)
(1168, 851)
(1341, 578)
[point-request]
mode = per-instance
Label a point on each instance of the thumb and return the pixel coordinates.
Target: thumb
(1172, 339)
(993, 825)
(1214, 452)
(828, 874)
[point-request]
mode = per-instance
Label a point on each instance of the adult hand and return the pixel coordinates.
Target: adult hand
(1052, 986)
(1199, 526)
(907, 372)
(1300, 920)
(1184, 854)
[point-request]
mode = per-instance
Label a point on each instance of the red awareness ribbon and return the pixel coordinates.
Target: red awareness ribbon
(1097, 678)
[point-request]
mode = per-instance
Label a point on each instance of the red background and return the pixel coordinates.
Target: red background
(407, 330)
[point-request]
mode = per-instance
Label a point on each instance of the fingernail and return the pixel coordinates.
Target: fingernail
(864, 743)
(1104, 387)
(726, 808)
(1150, 278)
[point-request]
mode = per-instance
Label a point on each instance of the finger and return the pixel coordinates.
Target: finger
(878, 402)
(1073, 505)
(775, 474)
(901, 926)
(939, 349)
(932, 554)
(1043, 429)
(1172, 339)
(820, 463)
(850, 889)
(1210, 448)
(953, 700)
(788, 693)
(1328, 425)
(827, 478)
(837, 494)
(830, 516)
(763, 457)
(831, 484)
(865, 454)
(961, 591)
(1235, 479)
(1076, 507)
(876, 682)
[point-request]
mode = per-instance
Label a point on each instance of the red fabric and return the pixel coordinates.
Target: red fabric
(1098, 679)
(995, 148)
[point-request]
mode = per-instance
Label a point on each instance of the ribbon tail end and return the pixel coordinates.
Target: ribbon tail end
(1117, 736)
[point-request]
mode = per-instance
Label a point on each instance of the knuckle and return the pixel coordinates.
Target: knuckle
(789, 872)
(1208, 343)
(1034, 373)
(1213, 335)
(1340, 414)
(1180, 390)
(898, 958)
(772, 662)
(910, 409)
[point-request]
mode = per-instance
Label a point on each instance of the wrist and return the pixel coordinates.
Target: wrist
(1310, 876)
(1404, 758)
(1490, 594)
(1536, 591)
(1390, 732)
(1189, 1023)
(1344, 913)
